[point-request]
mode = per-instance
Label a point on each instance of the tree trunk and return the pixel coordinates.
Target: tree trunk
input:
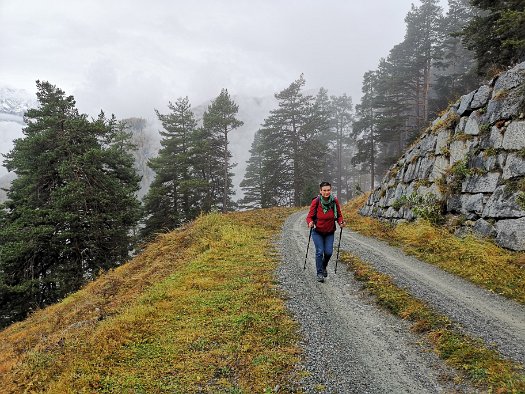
(426, 89)
(372, 160)
(339, 160)
(225, 191)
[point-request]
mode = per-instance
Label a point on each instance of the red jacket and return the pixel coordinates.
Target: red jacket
(325, 221)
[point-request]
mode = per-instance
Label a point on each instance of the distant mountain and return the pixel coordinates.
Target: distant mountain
(13, 104)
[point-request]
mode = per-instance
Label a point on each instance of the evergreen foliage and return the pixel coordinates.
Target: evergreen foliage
(299, 144)
(417, 80)
(253, 183)
(218, 121)
(341, 123)
(497, 34)
(170, 200)
(192, 170)
(455, 71)
(364, 128)
(72, 207)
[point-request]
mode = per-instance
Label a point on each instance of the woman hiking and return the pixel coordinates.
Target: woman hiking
(324, 212)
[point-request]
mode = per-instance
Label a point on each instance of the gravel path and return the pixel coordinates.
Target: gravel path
(352, 346)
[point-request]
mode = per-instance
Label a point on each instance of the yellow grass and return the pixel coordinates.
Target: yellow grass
(477, 260)
(195, 312)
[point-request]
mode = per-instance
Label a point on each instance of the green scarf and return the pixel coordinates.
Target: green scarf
(328, 204)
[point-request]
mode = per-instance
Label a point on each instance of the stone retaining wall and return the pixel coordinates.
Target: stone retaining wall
(469, 165)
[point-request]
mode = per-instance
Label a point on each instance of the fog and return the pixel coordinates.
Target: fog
(131, 57)
(128, 57)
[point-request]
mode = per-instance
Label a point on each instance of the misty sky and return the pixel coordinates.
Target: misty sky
(128, 57)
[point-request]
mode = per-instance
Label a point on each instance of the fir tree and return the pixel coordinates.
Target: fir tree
(170, 200)
(497, 35)
(456, 70)
(365, 127)
(341, 118)
(219, 120)
(291, 154)
(253, 184)
(71, 209)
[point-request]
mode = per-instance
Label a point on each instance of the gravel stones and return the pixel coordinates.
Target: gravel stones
(350, 345)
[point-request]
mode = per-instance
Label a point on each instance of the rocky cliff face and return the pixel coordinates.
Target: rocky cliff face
(469, 165)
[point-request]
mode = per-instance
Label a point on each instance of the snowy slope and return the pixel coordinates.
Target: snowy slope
(13, 104)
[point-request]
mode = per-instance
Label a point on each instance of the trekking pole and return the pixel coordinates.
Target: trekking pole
(338, 245)
(305, 257)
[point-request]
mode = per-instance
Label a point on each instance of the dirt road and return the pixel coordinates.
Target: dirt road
(351, 346)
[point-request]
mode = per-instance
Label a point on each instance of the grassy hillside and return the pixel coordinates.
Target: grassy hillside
(197, 311)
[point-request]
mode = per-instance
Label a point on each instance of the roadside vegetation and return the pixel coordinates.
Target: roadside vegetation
(484, 367)
(479, 261)
(197, 311)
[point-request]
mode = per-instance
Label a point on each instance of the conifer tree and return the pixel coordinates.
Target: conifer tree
(219, 120)
(497, 35)
(71, 209)
(206, 158)
(317, 136)
(456, 70)
(291, 153)
(169, 201)
(341, 118)
(253, 183)
(423, 36)
(365, 127)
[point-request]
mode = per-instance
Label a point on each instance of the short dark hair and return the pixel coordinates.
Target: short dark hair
(322, 184)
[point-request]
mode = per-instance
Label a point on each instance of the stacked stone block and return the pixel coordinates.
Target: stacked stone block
(470, 161)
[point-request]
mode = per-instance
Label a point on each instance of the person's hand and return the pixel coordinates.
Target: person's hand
(342, 224)
(311, 224)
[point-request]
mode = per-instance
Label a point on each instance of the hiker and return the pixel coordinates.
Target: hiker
(324, 212)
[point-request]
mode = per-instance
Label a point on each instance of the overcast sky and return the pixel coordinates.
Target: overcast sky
(128, 57)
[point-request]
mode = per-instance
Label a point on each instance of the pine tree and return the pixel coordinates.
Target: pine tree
(497, 35)
(291, 153)
(341, 113)
(219, 120)
(365, 125)
(317, 137)
(168, 202)
(423, 36)
(206, 158)
(71, 209)
(456, 70)
(395, 92)
(253, 184)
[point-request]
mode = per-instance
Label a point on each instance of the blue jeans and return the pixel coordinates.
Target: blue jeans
(324, 247)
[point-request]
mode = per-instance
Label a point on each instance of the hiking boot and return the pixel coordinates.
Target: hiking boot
(325, 272)
(320, 278)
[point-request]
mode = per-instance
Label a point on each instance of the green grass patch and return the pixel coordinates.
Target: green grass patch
(479, 261)
(212, 322)
(484, 367)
